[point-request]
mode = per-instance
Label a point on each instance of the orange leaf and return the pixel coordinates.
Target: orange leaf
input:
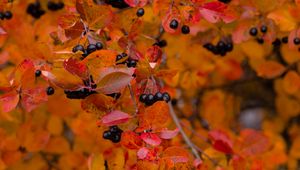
(9, 101)
(270, 69)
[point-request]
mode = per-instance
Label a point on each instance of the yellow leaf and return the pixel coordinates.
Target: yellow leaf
(55, 125)
(96, 162)
(270, 69)
(283, 19)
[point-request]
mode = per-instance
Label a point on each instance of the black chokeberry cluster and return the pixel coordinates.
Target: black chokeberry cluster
(113, 134)
(150, 99)
(90, 49)
(55, 6)
(50, 90)
(35, 10)
(6, 15)
(83, 92)
(117, 3)
(221, 48)
(120, 59)
(161, 43)
(254, 32)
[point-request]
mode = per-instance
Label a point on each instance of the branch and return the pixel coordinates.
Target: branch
(185, 137)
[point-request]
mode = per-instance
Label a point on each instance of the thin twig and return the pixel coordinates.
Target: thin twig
(185, 137)
(208, 157)
(133, 98)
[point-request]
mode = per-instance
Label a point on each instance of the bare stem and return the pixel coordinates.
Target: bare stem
(185, 137)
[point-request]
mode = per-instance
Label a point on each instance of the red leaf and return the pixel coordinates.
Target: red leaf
(215, 12)
(142, 153)
(168, 134)
(151, 139)
(76, 67)
(31, 98)
(2, 31)
(9, 101)
(221, 141)
(114, 118)
(131, 140)
(135, 3)
(172, 14)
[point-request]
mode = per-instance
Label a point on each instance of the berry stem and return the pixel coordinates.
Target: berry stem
(185, 137)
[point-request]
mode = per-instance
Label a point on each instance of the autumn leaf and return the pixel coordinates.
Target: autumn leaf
(151, 138)
(9, 101)
(77, 68)
(221, 142)
(168, 134)
(216, 11)
(114, 118)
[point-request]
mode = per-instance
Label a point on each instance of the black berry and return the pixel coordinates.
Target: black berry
(1, 16)
(117, 3)
(285, 40)
(78, 48)
(166, 97)
(253, 31)
(143, 98)
(91, 48)
(185, 29)
(50, 90)
(263, 29)
(161, 43)
(119, 57)
(149, 100)
(296, 41)
(99, 46)
(260, 40)
(174, 24)
(38, 73)
(34, 9)
(158, 96)
(276, 42)
(225, 1)
(107, 135)
(131, 63)
(8, 15)
(140, 12)
(229, 47)
(116, 138)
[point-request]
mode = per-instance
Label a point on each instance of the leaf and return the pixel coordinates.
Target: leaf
(96, 162)
(131, 140)
(216, 11)
(151, 139)
(220, 141)
(114, 80)
(97, 104)
(114, 118)
(9, 101)
(77, 68)
(168, 134)
(283, 19)
(31, 98)
(270, 69)
(176, 154)
(67, 20)
(172, 14)
(142, 153)
(253, 143)
(291, 82)
(135, 3)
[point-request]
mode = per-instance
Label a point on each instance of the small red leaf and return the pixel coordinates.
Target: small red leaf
(135, 3)
(114, 118)
(142, 153)
(221, 141)
(76, 67)
(216, 11)
(168, 134)
(9, 101)
(31, 98)
(151, 139)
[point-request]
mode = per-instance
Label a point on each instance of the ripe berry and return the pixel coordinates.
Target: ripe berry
(38, 73)
(116, 138)
(161, 43)
(263, 29)
(209, 46)
(225, 1)
(91, 48)
(124, 54)
(34, 9)
(1, 16)
(107, 134)
(260, 40)
(253, 31)
(185, 29)
(158, 96)
(50, 90)
(143, 98)
(7, 15)
(117, 3)
(276, 42)
(115, 129)
(285, 40)
(166, 97)
(119, 57)
(60, 5)
(140, 12)
(220, 45)
(131, 63)
(78, 48)
(296, 41)
(174, 24)
(229, 47)
(149, 100)
(99, 46)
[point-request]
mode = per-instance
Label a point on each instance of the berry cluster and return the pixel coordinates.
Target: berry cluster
(117, 3)
(253, 32)
(53, 6)
(50, 90)
(90, 48)
(129, 62)
(150, 99)
(35, 10)
(83, 92)
(6, 15)
(174, 25)
(113, 134)
(220, 49)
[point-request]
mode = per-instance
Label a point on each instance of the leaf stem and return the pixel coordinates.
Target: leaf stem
(133, 98)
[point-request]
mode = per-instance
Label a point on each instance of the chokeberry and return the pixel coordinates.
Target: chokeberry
(158, 96)
(185, 29)
(225, 1)
(140, 12)
(99, 46)
(116, 138)
(149, 100)
(209, 46)
(60, 5)
(296, 41)
(91, 48)
(131, 63)
(107, 135)
(174, 24)
(124, 54)
(34, 9)
(119, 57)
(8, 15)
(285, 40)
(229, 46)
(50, 90)
(276, 42)
(166, 97)
(263, 29)
(1, 16)
(220, 45)
(38, 73)
(117, 3)
(115, 129)
(143, 98)
(260, 40)
(78, 48)
(253, 31)
(161, 43)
